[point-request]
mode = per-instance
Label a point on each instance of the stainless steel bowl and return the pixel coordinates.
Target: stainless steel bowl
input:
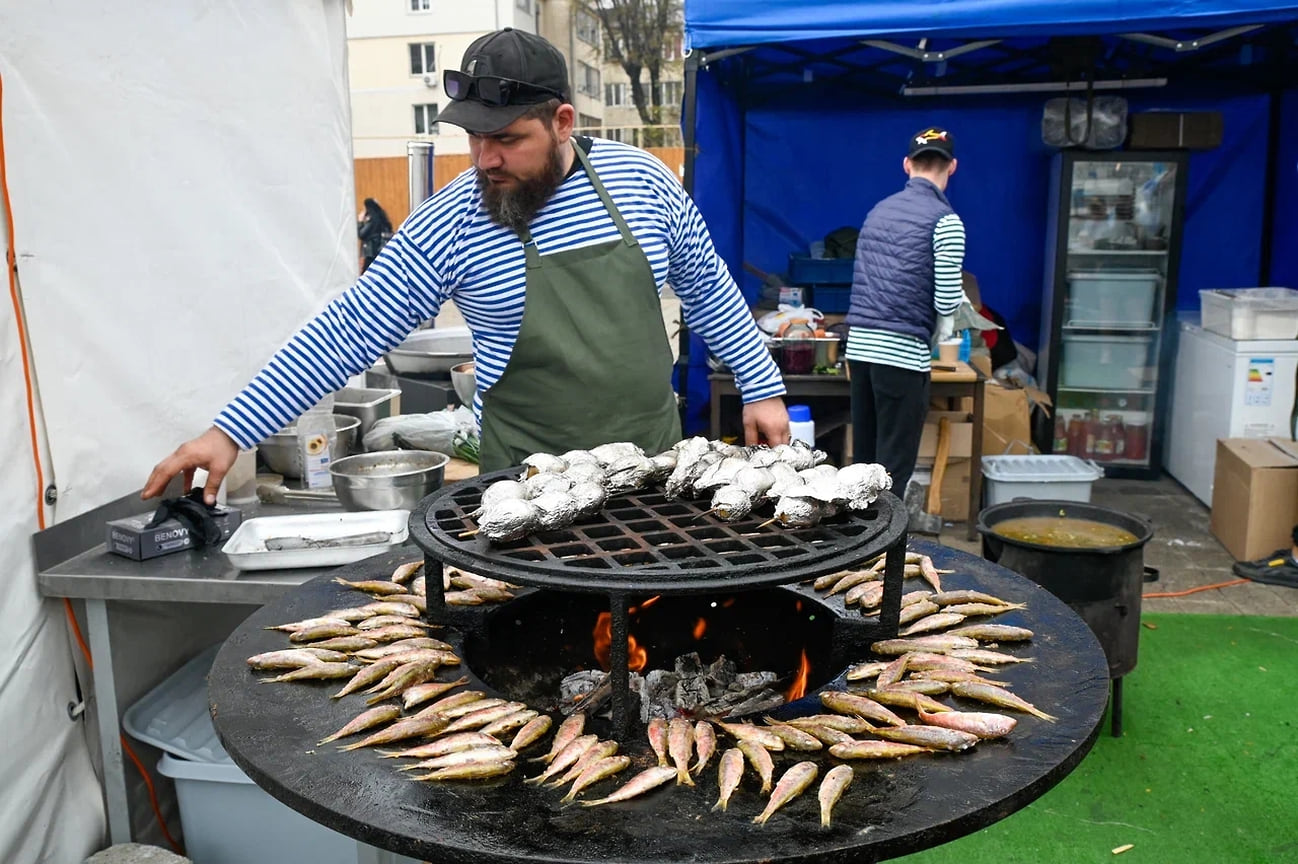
(387, 479)
(465, 381)
(431, 351)
(280, 451)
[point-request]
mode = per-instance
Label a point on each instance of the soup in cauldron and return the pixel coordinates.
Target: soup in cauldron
(1063, 531)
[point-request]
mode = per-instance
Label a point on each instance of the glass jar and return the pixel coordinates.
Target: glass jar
(1118, 434)
(1136, 439)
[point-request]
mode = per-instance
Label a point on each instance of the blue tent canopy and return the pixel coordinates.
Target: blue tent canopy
(797, 113)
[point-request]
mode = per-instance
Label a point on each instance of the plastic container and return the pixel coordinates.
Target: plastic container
(804, 270)
(368, 405)
(226, 818)
(1106, 297)
(1105, 362)
(314, 429)
(832, 299)
(801, 426)
(1060, 478)
(1251, 313)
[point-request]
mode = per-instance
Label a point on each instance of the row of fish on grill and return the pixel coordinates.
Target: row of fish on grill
(556, 490)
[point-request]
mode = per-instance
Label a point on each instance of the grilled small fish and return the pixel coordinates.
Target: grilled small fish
(728, 776)
(977, 610)
(442, 746)
(920, 661)
(328, 630)
(705, 744)
(986, 657)
(874, 750)
(867, 595)
(389, 607)
(453, 712)
(568, 731)
(951, 676)
(421, 693)
(998, 696)
(650, 778)
(596, 771)
(984, 725)
(472, 771)
(925, 686)
(405, 675)
(851, 580)
(760, 758)
(680, 746)
(989, 633)
(940, 644)
(294, 658)
(831, 789)
(566, 758)
(373, 586)
(910, 598)
(930, 573)
(469, 756)
(510, 722)
(365, 720)
(932, 623)
(345, 644)
(916, 611)
(839, 722)
(484, 716)
(531, 733)
(462, 698)
(306, 623)
(419, 601)
(405, 572)
(826, 734)
(794, 738)
(601, 750)
(893, 672)
(861, 706)
(367, 675)
(658, 738)
(932, 737)
(379, 621)
(393, 633)
(411, 727)
(315, 672)
(463, 598)
(351, 615)
(865, 671)
(951, 598)
(827, 581)
(758, 735)
(378, 652)
(794, 782)
(904, 699)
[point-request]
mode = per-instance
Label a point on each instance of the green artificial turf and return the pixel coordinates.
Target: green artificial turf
(1206, 771)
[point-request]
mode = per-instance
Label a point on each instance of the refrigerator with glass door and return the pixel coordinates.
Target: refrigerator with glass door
(1108, 309)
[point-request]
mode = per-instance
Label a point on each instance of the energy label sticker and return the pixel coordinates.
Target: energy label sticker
(1257, 390)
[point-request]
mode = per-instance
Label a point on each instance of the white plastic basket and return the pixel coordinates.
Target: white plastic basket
(1251, 313)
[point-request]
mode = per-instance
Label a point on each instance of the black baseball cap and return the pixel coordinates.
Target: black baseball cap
(933, 139)
(516, 57)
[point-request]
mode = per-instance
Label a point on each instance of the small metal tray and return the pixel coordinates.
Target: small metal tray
(315, 539)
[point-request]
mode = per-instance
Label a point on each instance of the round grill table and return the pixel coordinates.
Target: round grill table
(892, 808)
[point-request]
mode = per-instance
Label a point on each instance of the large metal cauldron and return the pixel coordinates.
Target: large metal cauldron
(1102, 585)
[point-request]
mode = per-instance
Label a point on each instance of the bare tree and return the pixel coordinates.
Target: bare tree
(636, 34)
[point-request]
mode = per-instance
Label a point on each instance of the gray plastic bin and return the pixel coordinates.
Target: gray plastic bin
(1056, 477)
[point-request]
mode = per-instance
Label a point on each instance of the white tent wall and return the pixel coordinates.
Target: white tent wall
(180, 177)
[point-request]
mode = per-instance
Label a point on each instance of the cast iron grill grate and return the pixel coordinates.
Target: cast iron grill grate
(643, 540)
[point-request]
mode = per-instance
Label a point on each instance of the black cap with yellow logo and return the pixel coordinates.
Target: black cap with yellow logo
(932, 140)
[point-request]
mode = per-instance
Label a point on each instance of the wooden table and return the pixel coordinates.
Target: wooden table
(952, 381)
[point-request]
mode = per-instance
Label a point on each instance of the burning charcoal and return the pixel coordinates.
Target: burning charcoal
(763, 701)
(753, 680)
(579, 684)
(721, 669)
(691, 693)
(690, 664)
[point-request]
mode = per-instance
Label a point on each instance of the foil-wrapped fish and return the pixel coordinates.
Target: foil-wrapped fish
(863, 482)
(762, 457)
(543, 463)
(555, 510)
(585, 471)
(731, 503)
(693, 457)
(539, 484)
(507, 520)
(796, 455)
(589, 497)
(796, 512)
(607, 454)
(579, 457)
(501, 490)
(754, 481)
(629, 472)
(664, 465)
(722, 473)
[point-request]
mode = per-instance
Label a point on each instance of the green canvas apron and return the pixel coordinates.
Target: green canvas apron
(592, 364)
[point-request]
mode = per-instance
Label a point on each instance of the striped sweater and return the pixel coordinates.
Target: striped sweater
(907, 352)
(448, 249)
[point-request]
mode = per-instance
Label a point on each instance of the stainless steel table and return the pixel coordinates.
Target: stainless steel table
(72, 561)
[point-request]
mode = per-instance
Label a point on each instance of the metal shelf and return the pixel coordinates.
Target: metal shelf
(1147, 391)
(1132, 252)
(1100, 325)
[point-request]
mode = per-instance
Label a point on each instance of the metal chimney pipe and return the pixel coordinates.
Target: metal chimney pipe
(419, 155)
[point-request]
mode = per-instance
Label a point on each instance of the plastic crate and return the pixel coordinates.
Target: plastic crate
(830, 299)
(1105, 297)
(1251, 313)
(226, 818)
(804, 270)
(1105, 362)
(1057, 478)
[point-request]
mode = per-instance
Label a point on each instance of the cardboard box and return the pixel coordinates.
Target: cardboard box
(1159, 130)
(130, 538)
(961, 436)
(1255, 495)
(1007, 420)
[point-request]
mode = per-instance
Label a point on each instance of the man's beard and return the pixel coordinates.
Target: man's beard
(513, 207)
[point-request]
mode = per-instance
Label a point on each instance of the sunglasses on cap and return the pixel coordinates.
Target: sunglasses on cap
(492, 90)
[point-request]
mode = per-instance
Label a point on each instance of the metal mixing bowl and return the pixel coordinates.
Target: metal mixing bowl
(387, 479)
(280, 451)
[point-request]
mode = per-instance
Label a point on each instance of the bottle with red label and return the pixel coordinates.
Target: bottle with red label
(1061, 444)
(1118, 433)
(1136, 439)
(1103, 444)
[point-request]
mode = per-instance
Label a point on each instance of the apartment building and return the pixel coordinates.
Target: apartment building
(621, 119)
(397, 50)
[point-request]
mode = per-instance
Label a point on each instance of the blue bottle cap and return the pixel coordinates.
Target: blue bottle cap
(799, 413)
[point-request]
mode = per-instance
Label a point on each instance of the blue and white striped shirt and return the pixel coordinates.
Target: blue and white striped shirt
(448, 249)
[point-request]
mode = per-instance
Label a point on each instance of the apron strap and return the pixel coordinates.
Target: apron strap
(529, 244)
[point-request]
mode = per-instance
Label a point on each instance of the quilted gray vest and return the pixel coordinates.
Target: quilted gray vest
(892, 280)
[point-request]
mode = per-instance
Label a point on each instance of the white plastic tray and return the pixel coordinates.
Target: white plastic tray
(319, 533)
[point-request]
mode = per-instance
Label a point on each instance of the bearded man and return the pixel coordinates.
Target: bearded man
(555, 248)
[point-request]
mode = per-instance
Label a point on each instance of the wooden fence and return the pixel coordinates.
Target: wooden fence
(387, 179)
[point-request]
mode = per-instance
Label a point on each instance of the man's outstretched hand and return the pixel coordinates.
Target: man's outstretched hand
(213, 451)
